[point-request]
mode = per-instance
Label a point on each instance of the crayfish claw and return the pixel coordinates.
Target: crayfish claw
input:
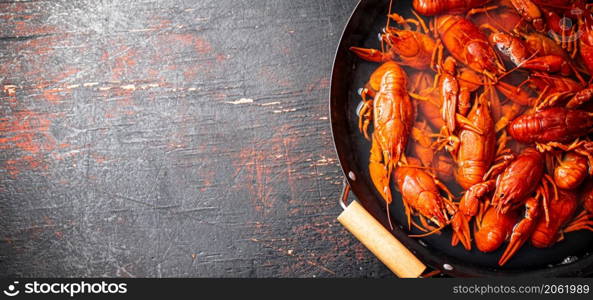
(461, 231)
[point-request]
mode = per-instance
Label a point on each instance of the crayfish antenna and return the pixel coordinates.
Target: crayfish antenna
(418, 226)
(421, 22)
(389, 12)
(577, 73)
(516, 94)
(436, 230)
(388, 215)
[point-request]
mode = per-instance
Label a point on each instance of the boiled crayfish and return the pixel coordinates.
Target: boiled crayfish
(491, 100)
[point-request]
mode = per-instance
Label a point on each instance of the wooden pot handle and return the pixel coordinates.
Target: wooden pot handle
(380, 241)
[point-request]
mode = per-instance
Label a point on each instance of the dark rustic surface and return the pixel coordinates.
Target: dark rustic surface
(171, 138)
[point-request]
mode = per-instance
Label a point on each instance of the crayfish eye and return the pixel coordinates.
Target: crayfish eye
(501, 195)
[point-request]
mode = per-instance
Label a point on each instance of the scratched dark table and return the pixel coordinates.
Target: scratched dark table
(171, 139)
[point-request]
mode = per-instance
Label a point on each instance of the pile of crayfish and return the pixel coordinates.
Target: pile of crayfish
(493, 98)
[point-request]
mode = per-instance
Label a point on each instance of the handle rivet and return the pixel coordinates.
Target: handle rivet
(448, 267)
(351, 176)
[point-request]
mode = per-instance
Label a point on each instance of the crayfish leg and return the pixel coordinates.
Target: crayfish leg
(480, 10)
(467, 124)
(583, 221)
(421, 22)
(503, 161)
(436, 60)
(365, 114)
(405, 22)
(445, 189)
